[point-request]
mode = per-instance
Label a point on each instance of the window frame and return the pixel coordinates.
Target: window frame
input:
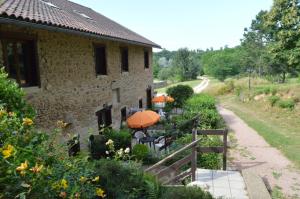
(141, 105)
(124, 68)
(6, 36)
(99, 113)
(146, 59)
(95, 46)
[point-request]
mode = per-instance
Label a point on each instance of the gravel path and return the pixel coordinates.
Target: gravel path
(200, 87)
(254, 153)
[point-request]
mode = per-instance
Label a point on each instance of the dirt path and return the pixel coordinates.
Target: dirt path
(200, 87)
(254, 153)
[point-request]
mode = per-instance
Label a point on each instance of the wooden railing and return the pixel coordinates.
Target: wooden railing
(160, 172)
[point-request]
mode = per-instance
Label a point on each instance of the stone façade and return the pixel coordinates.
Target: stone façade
(69, 88)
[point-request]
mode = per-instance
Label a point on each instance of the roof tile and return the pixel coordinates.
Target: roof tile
(67, 15)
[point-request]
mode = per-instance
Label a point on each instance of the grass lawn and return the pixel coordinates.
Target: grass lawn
(192, 83)
(279, 127)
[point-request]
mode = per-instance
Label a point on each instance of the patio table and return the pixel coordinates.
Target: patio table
(149, 140)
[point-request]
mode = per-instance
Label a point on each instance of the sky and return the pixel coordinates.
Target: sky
(173, 24)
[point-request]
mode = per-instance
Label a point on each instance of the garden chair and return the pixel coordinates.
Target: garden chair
(138, 135)
(163, 142)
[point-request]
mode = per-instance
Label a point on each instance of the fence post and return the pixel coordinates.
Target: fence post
(225, 149)
(194, 156)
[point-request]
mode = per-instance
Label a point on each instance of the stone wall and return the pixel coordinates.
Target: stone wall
(70, 89)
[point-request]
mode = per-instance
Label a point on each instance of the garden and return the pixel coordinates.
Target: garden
(34, 164)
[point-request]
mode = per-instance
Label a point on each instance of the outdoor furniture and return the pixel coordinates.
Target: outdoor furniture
(148, 140)
(139, 135)
(163, 142)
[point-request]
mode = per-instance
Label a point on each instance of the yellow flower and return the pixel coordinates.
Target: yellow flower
(22, 167)
(61, 124)
(82, 179)
(8, 151)
(64, 184)
(2, 112)
(36, 168)
(100, 192)
(96, 179)
(27, 121)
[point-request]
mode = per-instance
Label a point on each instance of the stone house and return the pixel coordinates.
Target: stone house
(75, 64)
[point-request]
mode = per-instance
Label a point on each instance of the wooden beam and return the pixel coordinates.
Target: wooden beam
(180, 176)
(211, 132)
(210, 149)
(225, 149)
(194, 156)
(175, 166)
(194, 143)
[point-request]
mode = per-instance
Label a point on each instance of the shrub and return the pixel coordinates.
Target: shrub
(122, 180)
(200, 101)
(265, 90)
(273, 99)
(11, 97)
(140, 151)
(97, 146)
(122, 138)
(185, 192)
(204, 105)
(289, 104)
(204, 160)
(180, 93)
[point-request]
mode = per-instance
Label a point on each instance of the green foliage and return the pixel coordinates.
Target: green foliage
(122, 138)
(185, 192)
(265, 90)
(221, 63)
(204, 160)
(273, 99)
(12, 97)
(186, 65)
(124, 180)
(180, 93)
(289, 104)
(204, 105)
(97, 146)
(140, 151)
(178, 65)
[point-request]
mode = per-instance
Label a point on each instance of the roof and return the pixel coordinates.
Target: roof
(68, 15)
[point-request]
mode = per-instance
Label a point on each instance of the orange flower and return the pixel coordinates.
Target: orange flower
(36, 168)
(63, 194)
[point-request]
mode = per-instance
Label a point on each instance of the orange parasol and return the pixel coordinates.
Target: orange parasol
(142, 119)
(162, 99)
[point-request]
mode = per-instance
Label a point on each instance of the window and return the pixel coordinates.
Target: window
(124, 59)
(140, 103)
(20, 61)
(149, 97)
(100, 59)
(116, 96)
(146, 59)
(104, 117)
(123, 114)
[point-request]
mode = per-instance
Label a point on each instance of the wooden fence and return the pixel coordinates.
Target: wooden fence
(160, 171)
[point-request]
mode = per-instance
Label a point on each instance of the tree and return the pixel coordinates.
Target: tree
(283, 25)
(254, 45)
(222, 63)
(187, 66)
